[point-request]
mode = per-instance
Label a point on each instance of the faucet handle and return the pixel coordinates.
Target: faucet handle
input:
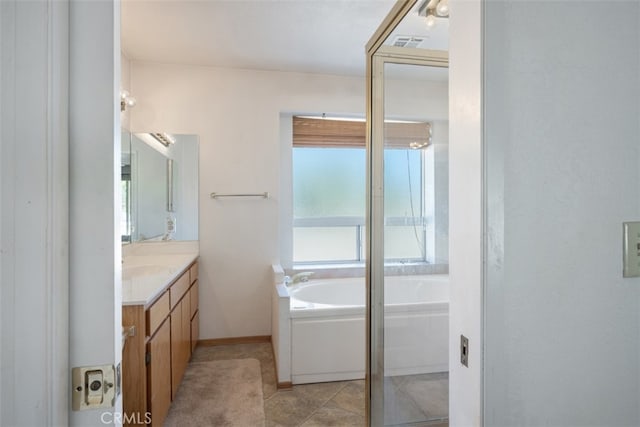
(301, 277)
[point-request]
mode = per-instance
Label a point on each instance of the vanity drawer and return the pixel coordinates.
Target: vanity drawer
(157, 313)
(179, 288)
(193, 272)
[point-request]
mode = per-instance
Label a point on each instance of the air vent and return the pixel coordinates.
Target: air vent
(408, 41)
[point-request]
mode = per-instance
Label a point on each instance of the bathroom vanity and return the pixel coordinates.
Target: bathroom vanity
(160, 322)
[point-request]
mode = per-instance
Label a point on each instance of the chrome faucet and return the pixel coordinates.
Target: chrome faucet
(298, 278)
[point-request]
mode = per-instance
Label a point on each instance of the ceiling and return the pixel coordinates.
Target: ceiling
(311, 36)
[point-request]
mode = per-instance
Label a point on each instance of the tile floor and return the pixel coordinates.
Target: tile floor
(338, 403)
(412, 399)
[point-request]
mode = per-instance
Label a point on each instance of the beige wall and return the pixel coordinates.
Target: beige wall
(237, 114)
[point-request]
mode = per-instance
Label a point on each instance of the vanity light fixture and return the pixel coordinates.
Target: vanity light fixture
(164, 138)
(126, 100)
(432, 9)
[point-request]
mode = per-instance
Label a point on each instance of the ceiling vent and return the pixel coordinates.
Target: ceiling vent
(408, 41)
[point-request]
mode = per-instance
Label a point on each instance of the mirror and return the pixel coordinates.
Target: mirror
(159, 179)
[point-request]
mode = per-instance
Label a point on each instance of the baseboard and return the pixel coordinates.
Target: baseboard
(327, 377)
(285, 385)
(280, 385)
(235, 340)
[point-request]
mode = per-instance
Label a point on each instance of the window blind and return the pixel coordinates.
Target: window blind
(312, 132)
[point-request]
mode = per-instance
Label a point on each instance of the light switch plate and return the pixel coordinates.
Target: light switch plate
(631, 249)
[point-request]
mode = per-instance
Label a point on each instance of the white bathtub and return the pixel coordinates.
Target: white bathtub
(325, 322)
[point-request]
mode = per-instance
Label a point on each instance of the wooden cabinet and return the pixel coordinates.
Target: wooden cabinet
(180, 343)
(155, 359)
(195, 314)
(185, 344)
(157, 313)
(195, 330)
(134, 370)
(180, 328)
(159, 374)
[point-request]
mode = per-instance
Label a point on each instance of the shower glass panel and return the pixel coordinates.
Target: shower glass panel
(415, 207)
(407, 219)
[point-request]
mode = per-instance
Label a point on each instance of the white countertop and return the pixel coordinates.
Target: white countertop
(149, 268)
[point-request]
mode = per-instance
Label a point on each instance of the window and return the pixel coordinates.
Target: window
(328, 204)
(404, 238)
(329, 192)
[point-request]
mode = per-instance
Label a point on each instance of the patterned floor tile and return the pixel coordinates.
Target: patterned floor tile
(332, 415)
(416, 400)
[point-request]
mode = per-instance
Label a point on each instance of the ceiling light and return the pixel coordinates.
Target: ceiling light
(432, 9)
(442, 9)
(431, 19)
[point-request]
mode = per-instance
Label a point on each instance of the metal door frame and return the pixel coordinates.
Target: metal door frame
(377, 56)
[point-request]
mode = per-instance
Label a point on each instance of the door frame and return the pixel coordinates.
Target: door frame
(467, 187)
(375, 226)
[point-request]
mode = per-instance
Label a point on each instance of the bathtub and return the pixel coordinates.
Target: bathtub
(321, 328)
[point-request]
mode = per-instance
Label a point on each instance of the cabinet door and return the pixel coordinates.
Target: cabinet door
(159, 374)
(193, 298)
(195, 330)
(186, 329)
(176, 349)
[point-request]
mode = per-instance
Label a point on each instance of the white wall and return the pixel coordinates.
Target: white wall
(561, 95)
(465, 212)
(236, 114)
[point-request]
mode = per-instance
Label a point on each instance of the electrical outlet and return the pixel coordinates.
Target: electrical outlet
(464, 350)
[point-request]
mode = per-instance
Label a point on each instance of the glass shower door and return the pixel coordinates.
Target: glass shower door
(408, 358)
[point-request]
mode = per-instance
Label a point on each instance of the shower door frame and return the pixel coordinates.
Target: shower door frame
(377, 56)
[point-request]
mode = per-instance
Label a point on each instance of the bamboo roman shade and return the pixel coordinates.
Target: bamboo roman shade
(312, 132)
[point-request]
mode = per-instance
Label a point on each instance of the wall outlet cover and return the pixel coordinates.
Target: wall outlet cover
(631, 249)
(464, 350)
